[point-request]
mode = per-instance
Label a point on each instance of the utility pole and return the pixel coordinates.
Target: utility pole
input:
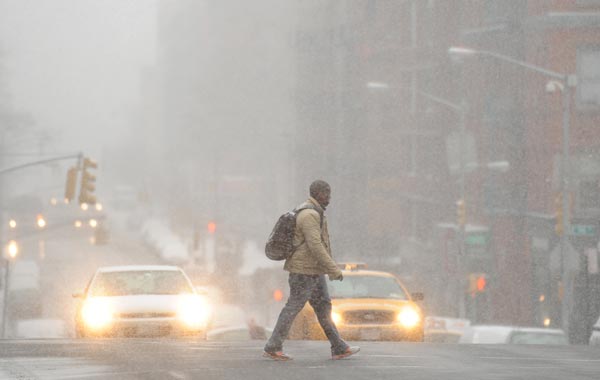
(564, 188)
(463, 226)
(2, 238)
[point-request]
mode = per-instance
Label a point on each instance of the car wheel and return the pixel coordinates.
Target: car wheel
(418, 337)
(80, 333)
(194, 336)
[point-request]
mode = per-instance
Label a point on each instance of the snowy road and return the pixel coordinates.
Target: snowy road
(180, 359)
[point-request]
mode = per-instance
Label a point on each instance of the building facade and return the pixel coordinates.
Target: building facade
(404, 131)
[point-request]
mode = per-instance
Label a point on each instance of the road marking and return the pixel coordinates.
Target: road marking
(393, 356)
(177, 374)
(545, 359)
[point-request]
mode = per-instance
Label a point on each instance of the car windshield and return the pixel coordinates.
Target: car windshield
(139, 282)
(522, 337)
(367, 287)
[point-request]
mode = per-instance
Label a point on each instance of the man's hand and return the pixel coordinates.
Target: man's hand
(336, 276)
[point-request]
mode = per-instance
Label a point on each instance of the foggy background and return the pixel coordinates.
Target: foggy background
(223, 112)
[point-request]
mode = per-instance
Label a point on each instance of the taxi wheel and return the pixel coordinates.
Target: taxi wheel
(417, 338)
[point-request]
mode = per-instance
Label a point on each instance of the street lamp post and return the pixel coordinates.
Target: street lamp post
(461, 110)
(566, 83)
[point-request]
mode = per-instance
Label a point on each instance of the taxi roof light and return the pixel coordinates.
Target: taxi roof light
(352, 266)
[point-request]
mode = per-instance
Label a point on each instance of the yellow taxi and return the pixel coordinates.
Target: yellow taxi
(366, 305)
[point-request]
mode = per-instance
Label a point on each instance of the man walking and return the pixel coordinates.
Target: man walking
(308, 265)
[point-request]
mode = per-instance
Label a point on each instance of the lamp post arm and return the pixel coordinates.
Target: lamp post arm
(550, 73)
(447, 103)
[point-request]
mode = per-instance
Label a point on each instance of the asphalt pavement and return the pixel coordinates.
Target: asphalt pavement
(189, 359)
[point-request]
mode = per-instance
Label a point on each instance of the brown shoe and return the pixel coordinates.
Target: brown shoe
(277, 355)
(349, 352)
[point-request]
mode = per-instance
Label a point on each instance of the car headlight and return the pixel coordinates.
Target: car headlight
(336, 317)
(96, 313)
(409, 317)
(194, 311)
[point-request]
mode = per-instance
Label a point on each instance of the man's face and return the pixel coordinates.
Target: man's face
(324, 197)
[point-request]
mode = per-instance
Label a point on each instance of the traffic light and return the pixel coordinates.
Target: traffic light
(477, 283)
(87, 182)
(461, 212)
(211, 227)
(278, 295)
(71, 185)
(559, 227)
(559, 215)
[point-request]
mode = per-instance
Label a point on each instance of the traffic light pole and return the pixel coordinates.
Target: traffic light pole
(2, 242)
(5, 299)
(461, 110)
(2, 246)
(35, 163)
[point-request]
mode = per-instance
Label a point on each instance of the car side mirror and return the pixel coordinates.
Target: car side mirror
(77, 295)
(417, 296)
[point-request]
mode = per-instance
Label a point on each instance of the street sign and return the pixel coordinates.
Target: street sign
(476, 239)
(583, 230)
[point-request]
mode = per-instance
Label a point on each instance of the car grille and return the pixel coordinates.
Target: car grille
(368, 317)
(146, 315)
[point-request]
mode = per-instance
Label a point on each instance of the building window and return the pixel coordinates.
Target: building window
(588, 71)
(588, 3)
(500, 11)
(589, 195)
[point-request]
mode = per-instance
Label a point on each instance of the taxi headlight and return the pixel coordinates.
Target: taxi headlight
(336, 317)
(194, 311)
(96, 313)
(409, 317)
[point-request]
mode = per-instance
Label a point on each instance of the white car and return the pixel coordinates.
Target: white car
(489, 334)
(595, 337)
(440, 329)
(153, 300)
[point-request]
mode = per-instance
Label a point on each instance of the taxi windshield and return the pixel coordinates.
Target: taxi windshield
(367, 287)
(139, 282)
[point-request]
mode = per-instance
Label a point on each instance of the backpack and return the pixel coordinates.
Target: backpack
(280, 245)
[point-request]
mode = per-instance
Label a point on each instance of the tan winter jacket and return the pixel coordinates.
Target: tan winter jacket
(313, 255)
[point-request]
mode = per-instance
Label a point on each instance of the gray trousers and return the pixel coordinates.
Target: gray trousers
(311, 288)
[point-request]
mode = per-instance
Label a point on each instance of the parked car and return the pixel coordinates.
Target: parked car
(367, 305)
(595, 337)
(489, 334)
(141, 301)
(444, 329)
(24, 296)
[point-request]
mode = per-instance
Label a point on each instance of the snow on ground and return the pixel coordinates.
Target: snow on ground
(174, 249)
(169, 246)
(254, 258)
(41, 328)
